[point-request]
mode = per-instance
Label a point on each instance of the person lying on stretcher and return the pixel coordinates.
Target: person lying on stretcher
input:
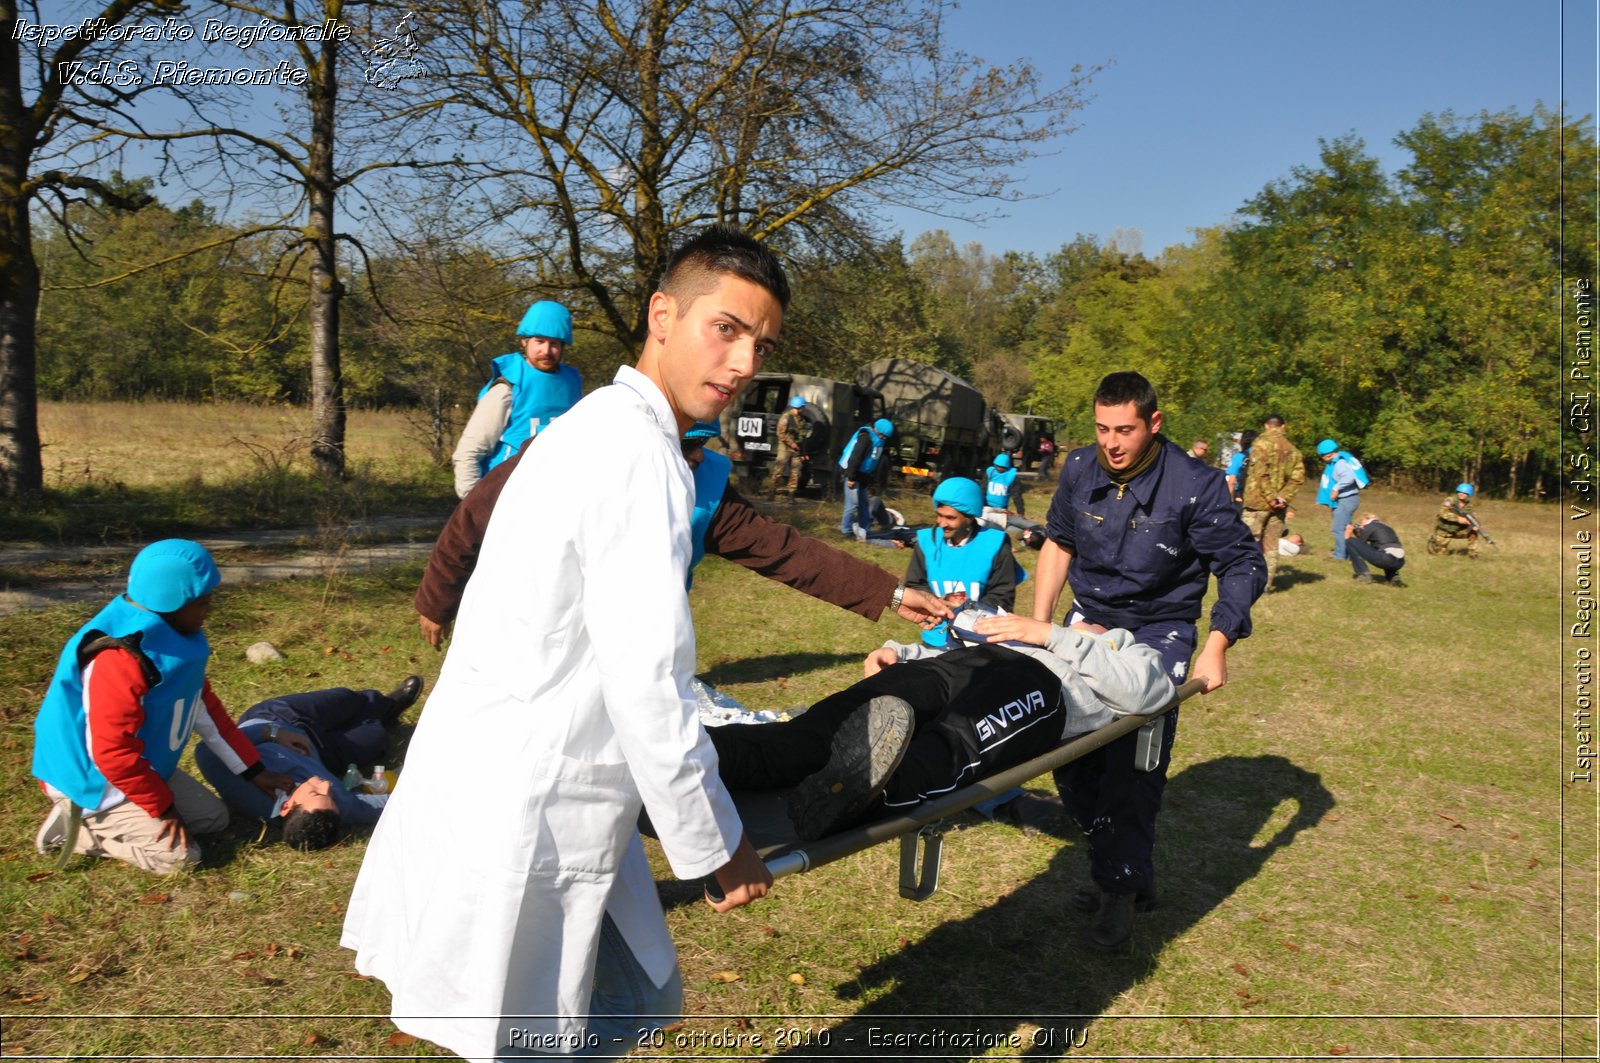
(923, 723)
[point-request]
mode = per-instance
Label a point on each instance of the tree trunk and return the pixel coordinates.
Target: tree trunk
(21, 469)
(327, 386)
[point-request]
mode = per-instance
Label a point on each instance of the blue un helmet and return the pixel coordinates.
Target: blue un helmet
(796, 402)
(702, 430)
(883, 426)
(169, 574)
(961, 495)
(1002, 461)
(548, 319)
(1465, 489)
(1326, 447)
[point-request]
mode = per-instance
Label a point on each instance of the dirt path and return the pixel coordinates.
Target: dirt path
(410, 537)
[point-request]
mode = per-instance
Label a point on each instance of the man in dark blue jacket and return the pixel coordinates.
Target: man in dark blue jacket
(1137, 527)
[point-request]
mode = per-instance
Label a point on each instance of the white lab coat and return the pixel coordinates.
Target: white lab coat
(563, 703)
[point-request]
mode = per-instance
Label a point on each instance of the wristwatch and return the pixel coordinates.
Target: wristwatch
(272, 733)
(896, 597)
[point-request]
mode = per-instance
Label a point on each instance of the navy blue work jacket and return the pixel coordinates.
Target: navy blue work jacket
(1145, 557)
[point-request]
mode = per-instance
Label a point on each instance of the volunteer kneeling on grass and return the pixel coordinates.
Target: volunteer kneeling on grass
(924, 722)
(128, 691)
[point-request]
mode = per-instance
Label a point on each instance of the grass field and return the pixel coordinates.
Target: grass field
(1367, 849)
(111, 476)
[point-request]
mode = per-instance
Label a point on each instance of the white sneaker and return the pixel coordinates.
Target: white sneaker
(53, 832)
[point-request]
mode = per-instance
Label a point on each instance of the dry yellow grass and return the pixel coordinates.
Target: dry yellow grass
(132, 443)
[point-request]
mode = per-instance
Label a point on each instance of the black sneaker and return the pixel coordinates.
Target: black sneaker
(1089, 899)
(403, 697)
(866, 750)
(1395, 581)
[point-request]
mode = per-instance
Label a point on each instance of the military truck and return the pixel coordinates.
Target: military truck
(1029, 430)
(942, 425)
(834, 408)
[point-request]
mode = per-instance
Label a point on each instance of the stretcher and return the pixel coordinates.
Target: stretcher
(921, 831)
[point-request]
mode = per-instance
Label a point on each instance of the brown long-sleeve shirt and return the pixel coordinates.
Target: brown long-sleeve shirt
(737, 533)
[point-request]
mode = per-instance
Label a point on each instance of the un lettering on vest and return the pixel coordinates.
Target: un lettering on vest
(183, 722)
(947, 587)
(999, 722)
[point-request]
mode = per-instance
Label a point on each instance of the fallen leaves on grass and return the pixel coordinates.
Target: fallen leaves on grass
(399, 1039)
(1242, 972)
(155, 897)
(245, 955)
(31, 998)
(80, 972)
(259, 978)
(1337, 1050)
(797, 978)
(1291, 946)
(40, 876)
(725, 976)
(769, 932)
(312, 1039)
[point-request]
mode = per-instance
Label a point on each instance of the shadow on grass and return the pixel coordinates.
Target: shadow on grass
(774, 666)
(1021, 959)
(1290, 578)
(116, 513)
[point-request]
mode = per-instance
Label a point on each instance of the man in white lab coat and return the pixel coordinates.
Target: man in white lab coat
(505, 898)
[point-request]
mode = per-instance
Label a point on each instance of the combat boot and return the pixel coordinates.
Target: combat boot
(1112, 925)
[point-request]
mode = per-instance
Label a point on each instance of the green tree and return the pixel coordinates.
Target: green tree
(604, 131)
(54, 109)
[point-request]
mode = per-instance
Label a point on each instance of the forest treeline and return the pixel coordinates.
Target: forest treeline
(1414, 316)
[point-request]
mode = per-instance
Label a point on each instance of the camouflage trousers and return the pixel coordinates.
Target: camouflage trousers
(1440, 542)
(785, 466)
(1266, 527)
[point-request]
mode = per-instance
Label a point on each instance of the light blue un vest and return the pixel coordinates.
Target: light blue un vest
(537, 399)
(61, 733)
(997, 487)
(870, 462)
(952, 568)
(710, 483)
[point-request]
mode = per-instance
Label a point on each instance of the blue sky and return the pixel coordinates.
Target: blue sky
(1204, 103)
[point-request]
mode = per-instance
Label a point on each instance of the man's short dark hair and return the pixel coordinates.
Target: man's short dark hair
(1274, 420)
(1247, 438)
(721, 249)
(310, 830)
(1119, 389)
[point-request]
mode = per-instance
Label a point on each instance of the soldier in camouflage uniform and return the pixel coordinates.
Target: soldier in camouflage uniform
(1455, 522)
(786, 462)
(1276, 473)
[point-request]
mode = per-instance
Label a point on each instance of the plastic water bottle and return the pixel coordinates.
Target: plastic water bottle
(381, 780)
(352, 779)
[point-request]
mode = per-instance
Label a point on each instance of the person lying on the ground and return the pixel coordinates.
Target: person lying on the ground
(128, 691)
(922, 724)
(736, 532)
(313, 738)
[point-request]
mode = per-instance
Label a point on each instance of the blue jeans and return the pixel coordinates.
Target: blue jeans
(624, 1006)
(857, 507)
(1344, 511)
(1362, 555)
